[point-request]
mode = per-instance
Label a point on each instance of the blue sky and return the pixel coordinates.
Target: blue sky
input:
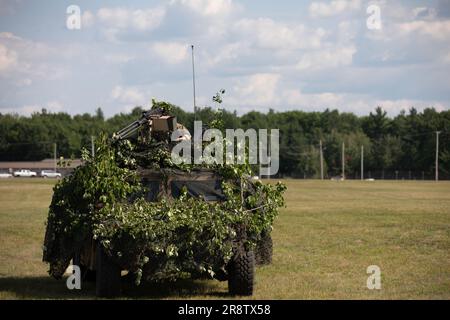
(284, 55)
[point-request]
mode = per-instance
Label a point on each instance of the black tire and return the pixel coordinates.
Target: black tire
(264, 250)
(241, 273)
(87, 274)
(108, 275)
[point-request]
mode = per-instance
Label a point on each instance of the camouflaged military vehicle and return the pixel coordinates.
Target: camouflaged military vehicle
(97, 264)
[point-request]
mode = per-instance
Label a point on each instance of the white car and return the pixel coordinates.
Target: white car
(50, 174)
(5, 175)
(25, 173)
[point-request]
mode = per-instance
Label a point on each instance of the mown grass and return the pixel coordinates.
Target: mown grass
(324, 240)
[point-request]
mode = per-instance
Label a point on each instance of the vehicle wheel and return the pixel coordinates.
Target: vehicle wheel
(241, 273)
(264, 250)
(87, 274)
(108, 275)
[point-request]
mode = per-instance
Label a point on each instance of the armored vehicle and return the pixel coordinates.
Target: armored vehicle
(165, 184)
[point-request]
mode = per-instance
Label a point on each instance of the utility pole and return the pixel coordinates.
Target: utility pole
(437, 155)
(362, 162)
(269, 158)
(343, 160)
(321, 161)
(92, 147)
(193, 82)
(54, 156)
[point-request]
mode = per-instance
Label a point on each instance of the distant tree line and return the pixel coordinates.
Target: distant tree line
(406, 142)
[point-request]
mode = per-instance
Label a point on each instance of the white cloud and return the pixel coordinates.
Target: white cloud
(347, 31)
(128, 95)
(424, 13)
(393, 107)
(294, 97)
(118, 58)
(8, 58)
(264, 59)
(87, 19)
(267, 33)
(228, 52)
(26, 59)
(438, 29)
(256, 90)
(250, 42)
(332, 8)
(139, 19)
(356, 103)
(266, 90)
(26, 110)
(209, 7)
(446, 58)
(8, 35)
(269, 90)
(329, 58)
(24, 82)
(208, 19)
(170, 52)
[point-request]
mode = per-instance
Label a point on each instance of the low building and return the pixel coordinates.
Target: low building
(38, 166)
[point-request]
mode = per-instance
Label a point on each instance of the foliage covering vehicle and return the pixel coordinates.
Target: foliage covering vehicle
(100, 213)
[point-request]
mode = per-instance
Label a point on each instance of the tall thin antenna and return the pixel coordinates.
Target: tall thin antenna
(193, 82)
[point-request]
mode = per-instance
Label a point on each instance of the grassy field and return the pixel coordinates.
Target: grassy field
(324, 240)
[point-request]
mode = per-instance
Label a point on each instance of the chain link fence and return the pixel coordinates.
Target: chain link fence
(372, 174)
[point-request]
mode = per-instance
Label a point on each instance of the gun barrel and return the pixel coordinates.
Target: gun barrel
(132, 127)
